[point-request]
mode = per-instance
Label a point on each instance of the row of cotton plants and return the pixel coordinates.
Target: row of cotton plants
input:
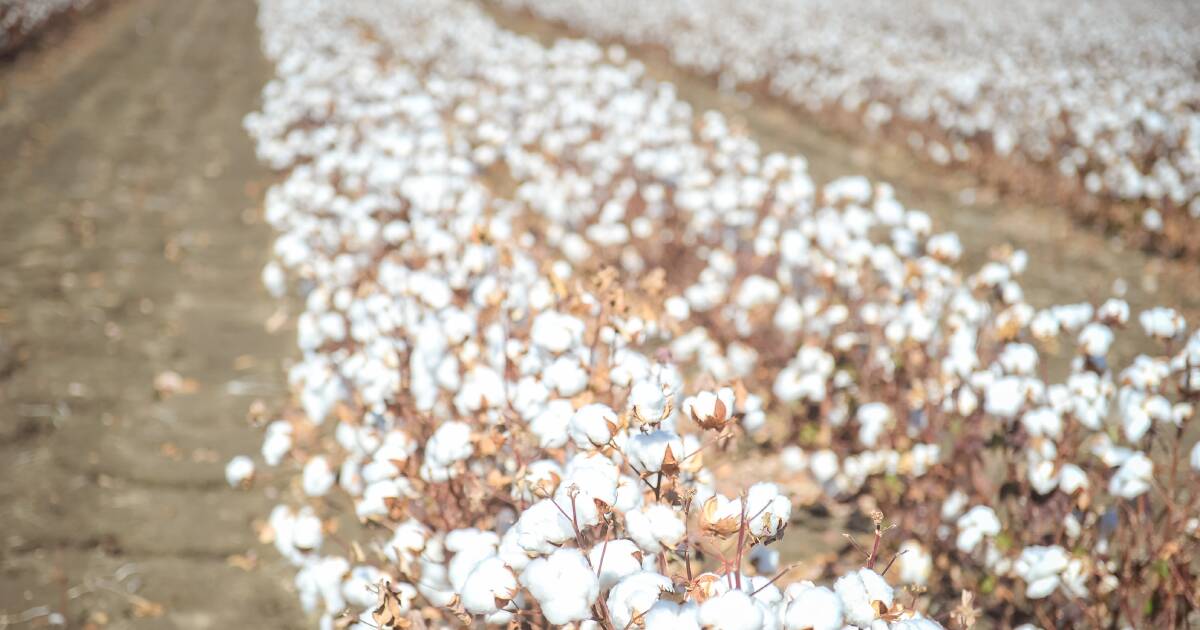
(543, 298)
(1103, 93)
(20, 18)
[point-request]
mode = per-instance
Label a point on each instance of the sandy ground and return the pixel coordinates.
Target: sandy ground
(130, 244)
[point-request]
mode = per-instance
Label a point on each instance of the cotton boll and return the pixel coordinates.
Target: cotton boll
(978, 522)
(655, 528)
(277, 443)
(550, 425)
(563, 584)
(648, 403)
(593, 426)
(1040, 567)
(542, 528)
(733, 610)
(916, 563)
(1133, 478)
(823, 465)
(614, 560)
(556, 333)
(711, 410)
(812, 607)
(634, 595)
(859, 591)
(318, 477)
(767, 511)
(657, 451)
(239, 471)
(873, 420)
(490, 586)
(668, 615)
(307, 533)
(1196, 457)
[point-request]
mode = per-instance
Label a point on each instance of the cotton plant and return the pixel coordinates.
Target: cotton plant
(520, 392)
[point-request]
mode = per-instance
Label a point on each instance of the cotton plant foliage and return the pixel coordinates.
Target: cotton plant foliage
(543, 298)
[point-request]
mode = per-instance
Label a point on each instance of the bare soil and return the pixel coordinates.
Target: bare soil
(130, 245)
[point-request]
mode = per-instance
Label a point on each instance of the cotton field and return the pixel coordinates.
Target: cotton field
(544, 299)
(1102, 96)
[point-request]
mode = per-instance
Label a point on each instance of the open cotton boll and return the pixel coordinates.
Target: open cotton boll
(978, 522)
(550, 425)
(767, 511)
(1040, 568)
(239, 471)
(563, 584)
(542, 528)
(1042, 422)
(873, 419)
(648, 403)
(1196, 457)
(655, 528)
(490, 586)
(318, 477)
(634, 595)
(407, 542)
(1133, 478)
(668, 615)
(555, 332)
(593, 426)
(450, 443)
(711, 410)
(307, 531)
(812, 607)
(823, 465)
(277, 442)
(859, 591)
(657, 451)
(733, 610)
(358, 588)
(615, 559)
(916, 563)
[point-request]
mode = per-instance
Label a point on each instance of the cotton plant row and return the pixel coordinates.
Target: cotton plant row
(1103, 93)
(540, 293)
(20, 18)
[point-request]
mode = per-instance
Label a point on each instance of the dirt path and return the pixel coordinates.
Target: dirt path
(130, 244)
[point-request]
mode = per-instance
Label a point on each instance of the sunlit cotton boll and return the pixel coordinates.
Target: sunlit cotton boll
(318, 477)
(592, 426)
(812, 607)
(655, 528)
(490, 586)
(563, 584)
(240, 471)
(732, 610)
(634, 595)
(1133, 478)
(859, 591)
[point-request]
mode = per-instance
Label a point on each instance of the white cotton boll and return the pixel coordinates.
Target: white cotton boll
(566, 376)
(1133, 478)
(916, 623)
(812, 607)
(634, 595)
(614, 560)
(733, 610)
(823, 465)
(629, 494)
(358, 587)
(653, 452)
(307, 532)
(277, 443)
(1072, 478)
(318, 477)
(1040, 568)
(655, 528)
(541, 479)
(1004, 397)
(1042, 422)
(1196, 457)
(978, 522)
(711, 410)
(793, 458)
(668, 615)
(542, 528)
(469, 546)
(593, 426)
(1095, 339)
(767, 511)
(407, 542)
(953, 505)
(858, 592)
(563, 584)
(916, 563)
(873, 419)
(274, 279)
(677, 308)
(239, 471)
(648, 402)
(555, 332)
(1161, 322)
(489, 586)
(550, 425)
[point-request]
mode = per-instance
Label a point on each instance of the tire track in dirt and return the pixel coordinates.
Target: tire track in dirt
(130, 244)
